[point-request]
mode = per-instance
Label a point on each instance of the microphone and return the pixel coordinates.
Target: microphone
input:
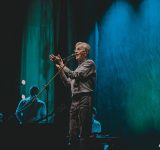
(69, 57)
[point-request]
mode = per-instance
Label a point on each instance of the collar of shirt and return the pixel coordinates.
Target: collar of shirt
(80, 62)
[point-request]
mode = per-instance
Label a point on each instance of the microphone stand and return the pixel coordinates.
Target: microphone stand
(66, 60)
(46, 103)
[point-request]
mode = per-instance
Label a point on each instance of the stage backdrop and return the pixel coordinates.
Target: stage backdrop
(126, 48)
(37, 44)
(125, 40)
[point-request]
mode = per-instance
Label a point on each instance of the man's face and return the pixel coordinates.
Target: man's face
(80, 53)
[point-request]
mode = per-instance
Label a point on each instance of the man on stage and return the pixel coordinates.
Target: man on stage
(81, 82)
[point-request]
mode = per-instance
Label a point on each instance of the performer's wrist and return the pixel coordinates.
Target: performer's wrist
(62, 65)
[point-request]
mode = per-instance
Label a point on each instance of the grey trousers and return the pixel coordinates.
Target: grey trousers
(80, 121)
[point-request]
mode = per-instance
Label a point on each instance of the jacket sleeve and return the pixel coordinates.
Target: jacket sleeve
(66, 80)
(19, 113)
(82, 72)
(43, 113)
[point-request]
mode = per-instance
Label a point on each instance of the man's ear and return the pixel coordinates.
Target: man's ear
(86, 52)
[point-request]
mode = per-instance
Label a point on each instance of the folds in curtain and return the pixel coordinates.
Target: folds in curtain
(37, 44)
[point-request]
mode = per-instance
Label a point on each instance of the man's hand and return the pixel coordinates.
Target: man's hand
(58, 66)
(54, 58)
(57, 59)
